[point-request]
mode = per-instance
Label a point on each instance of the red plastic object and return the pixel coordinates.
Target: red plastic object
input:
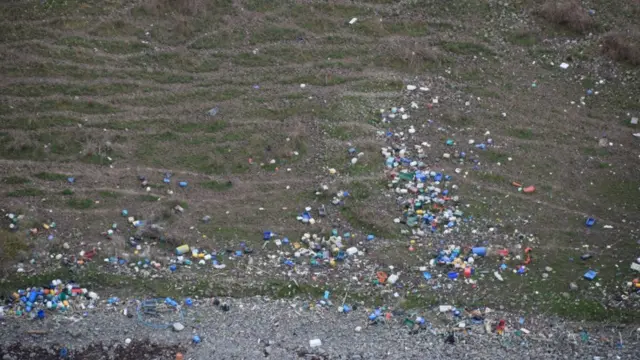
(529, 189)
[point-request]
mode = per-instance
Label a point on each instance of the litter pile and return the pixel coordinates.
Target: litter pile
(319, 250)
(56, 296)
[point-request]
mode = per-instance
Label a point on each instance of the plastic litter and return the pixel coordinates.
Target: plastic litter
(315, 343)
(159, 313)
(590, 275)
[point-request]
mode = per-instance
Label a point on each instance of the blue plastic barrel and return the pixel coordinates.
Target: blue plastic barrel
(480, 251)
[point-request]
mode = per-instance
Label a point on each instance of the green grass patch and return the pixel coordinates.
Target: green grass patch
(270, 34)
(95, 159)
(47, 176)
(18, 32)
(317, 80)
(261, 5)
(26, 192)
(39, 122)
(368, 226)
(590, 310)
(491, 177)
(116, 28)
(595, 151)
(79, 106)
(15, 180)
(80, 204)
(378, 86)
(359, 190)
(466, 48)
(624, 193)
(217, 185)
(525, 134)
(148, 198)
(108, 194)
(110, 46)
(338, 132)
(67, 192)
(494, 156)
(38, 90)
(189, 61)
(213, 127)
(11, 244)
(522, 38)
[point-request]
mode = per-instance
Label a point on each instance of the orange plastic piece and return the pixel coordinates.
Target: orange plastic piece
(527, 251)
(179, 356)
(382, 276)
(529, 189)
(516, 184)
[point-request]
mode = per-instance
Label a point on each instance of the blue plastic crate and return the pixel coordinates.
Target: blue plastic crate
(590, 275)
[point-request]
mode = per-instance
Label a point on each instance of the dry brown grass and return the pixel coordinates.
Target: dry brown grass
(623, 47)
(567, 13)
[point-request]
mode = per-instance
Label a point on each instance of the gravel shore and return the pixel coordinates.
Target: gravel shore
(257, 328)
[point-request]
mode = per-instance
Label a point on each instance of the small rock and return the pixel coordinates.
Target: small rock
(548, 269)
(178, 327)
(573, 286)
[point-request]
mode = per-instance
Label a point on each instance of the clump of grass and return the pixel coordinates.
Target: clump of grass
(466, 48)
(47, 176)
(522, 38)
(622, 47)
(108, 194)
(149, 198)
(15, 180)
(67, 192)
(216, 185)
(569, 14)
(525, 134)
(26, 192)
(10, 246)
(80, 204)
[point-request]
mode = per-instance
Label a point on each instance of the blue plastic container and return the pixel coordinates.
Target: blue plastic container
(590, 222)
(183, 184)
(480, 251)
